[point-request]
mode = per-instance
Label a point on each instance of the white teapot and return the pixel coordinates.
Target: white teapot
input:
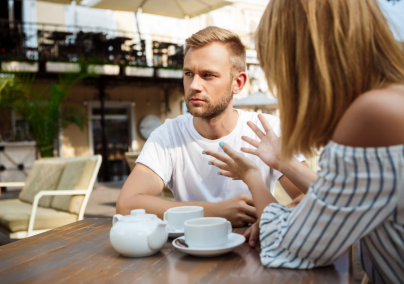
(138, 234)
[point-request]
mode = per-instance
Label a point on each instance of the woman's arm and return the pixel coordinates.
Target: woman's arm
(299, 174)
(268, 150)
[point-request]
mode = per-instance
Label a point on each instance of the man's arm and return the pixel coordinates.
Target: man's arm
(143, 186)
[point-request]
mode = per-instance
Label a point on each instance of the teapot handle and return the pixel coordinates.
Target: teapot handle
(116, 218)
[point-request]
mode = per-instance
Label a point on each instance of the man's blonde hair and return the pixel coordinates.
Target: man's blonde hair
(231, 40)
(318, 57)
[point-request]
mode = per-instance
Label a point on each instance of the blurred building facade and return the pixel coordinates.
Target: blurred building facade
(52, 30)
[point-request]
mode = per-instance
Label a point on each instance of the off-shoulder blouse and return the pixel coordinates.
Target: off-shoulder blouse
(358, 195)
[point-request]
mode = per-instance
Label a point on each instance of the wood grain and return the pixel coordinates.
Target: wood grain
(81, 252)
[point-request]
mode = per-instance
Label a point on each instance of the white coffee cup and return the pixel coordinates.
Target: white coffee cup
(176, 216)
(207, 232)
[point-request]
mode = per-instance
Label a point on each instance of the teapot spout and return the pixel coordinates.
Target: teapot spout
(158, 237)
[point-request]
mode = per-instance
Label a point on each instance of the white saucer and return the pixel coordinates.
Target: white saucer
(234, 241)
(175, 234)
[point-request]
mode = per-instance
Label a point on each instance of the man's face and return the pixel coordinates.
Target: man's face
(207, 82)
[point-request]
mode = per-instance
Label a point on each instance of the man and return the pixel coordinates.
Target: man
(214, 70)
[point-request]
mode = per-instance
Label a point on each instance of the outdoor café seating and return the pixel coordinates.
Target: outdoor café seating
(55, 194)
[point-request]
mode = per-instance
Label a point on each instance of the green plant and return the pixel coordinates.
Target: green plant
(43, 110)
(6, 83)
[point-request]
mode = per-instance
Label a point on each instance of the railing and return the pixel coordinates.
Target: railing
(51, 42)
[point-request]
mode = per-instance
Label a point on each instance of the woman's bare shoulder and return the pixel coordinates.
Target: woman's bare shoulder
(375, 119)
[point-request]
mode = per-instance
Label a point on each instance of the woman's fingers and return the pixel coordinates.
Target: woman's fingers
(220, 156)
(268, 129)
(228, 174)
(256, 130)
(228, 150)
(220, 165)
(250, 141)
(254, 237)
(249, 151)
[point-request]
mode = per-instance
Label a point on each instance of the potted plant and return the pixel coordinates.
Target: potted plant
(170, 72)
(139, 71)
(43, 111)
(19, 66)
(62, 67)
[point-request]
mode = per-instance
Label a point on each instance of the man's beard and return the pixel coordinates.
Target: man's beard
(213, 109)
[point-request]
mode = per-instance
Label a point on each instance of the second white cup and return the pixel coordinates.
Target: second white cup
(207, 232)
(177, 216)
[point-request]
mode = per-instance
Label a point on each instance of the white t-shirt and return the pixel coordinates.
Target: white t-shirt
(174, 152)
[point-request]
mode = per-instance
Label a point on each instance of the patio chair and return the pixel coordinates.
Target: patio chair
(54, 194)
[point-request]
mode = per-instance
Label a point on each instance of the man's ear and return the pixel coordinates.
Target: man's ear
(239, 82)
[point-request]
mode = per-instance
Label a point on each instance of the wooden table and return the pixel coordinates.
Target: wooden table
(81, 252)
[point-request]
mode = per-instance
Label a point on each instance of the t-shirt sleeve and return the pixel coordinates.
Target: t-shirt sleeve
(276, 127)
(156, 153)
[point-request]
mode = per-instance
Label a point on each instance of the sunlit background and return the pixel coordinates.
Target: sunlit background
(135, 50)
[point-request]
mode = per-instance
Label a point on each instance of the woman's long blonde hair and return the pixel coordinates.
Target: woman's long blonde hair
(318, 57)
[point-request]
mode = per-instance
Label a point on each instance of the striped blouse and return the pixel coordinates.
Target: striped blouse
(358, 195)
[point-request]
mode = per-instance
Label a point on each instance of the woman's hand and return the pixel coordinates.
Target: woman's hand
(252, 234)
(232, 164)
(268, 149)
(235, 164)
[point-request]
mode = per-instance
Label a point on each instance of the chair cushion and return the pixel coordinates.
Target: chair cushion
(15, 214)
(44, 175)
(76, 175)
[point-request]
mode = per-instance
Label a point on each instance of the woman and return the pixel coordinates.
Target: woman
(339, 77)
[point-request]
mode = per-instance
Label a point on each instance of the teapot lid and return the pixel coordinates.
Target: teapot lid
(139, 218)
(137, 212)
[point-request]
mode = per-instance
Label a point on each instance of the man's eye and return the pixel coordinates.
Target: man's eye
(188, 73)
(208, 75)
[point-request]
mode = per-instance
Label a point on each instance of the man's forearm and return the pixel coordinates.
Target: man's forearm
(143, 186)
(157, 205)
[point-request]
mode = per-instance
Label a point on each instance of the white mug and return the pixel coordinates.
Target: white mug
(207, 232)
(176, 216)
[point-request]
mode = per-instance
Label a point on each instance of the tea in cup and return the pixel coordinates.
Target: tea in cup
(207, 232)
(176, 216)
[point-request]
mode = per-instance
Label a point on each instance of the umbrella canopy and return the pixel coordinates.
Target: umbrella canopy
(170, 8)
(256, 100)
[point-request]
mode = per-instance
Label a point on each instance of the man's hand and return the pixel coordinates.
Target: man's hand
(239, 210)
(252, 234)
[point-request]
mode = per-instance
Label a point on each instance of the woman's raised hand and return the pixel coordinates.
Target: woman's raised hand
(268, 149)
(232, 164)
